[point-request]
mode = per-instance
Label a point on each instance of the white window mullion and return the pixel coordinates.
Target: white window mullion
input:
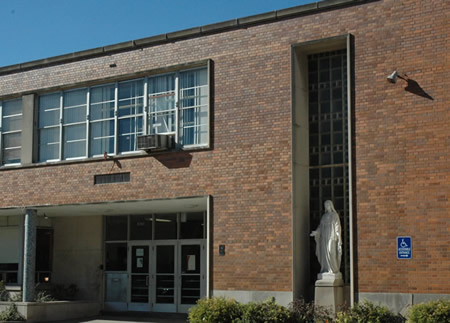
(177, 107)
(146, 108)
(61, 139)
(116, 121)
(88, 111)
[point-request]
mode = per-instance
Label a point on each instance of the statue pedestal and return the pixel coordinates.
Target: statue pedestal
(329, 292)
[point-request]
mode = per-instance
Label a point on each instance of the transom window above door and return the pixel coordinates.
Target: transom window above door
(88, 122)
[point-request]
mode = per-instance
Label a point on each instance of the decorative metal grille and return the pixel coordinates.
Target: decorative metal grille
(328, 148)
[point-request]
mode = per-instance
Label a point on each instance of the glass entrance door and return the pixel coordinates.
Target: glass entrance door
(179, 275)
(139, 277)
(165, 277)
(191, 274)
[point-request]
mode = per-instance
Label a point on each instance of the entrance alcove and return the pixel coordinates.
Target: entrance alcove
(321, 128)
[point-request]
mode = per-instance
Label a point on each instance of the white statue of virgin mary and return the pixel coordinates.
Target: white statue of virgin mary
(328, 241)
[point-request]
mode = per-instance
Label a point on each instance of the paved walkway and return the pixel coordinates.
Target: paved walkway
(133, 317)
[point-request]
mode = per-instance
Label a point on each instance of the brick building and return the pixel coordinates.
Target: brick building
(258, 120)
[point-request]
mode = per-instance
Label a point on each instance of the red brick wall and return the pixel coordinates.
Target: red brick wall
(401, 154)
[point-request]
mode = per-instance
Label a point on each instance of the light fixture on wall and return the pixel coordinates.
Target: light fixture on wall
(392, 78)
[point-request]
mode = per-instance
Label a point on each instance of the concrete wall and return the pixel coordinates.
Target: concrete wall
(78, 254)
(54, 311)
(400, 302)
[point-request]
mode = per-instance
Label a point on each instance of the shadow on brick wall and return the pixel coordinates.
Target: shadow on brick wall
(414, 88)
(179, 159)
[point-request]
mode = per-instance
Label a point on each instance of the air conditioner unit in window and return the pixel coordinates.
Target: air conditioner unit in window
(153, 142)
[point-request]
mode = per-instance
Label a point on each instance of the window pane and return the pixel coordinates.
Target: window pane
(12, 123)
(194, 107)
(102, 137)
(116, 228)
(161, 103)
(131, 106)
(141, 227)
(128, 129)
(11, 156)
(49, 144)
(102, 93)
(102, 111)
(165, 226)
(72, 115)
(12, 107)
(48, 117)
(74, 98)
(116, 257)
(191, 226)
(49, 109)
(75, 141)
(131, 89)
(162, 122)
(102, 102)
(12, 140)
(75, 106)
(131, 99)
(194, 123)
(161, 93)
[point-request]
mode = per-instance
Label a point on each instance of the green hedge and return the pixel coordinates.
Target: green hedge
(262, 312)
(220, 309)
(431, 312)
(215, 310)
(367, 312)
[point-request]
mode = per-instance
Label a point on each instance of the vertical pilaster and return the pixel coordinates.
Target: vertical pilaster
(28, 102)
(29, 255)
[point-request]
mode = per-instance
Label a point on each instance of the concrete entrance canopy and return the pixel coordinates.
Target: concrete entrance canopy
(77, 255)
(185, 204)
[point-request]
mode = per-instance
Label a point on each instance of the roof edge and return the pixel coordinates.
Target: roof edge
(262, 18)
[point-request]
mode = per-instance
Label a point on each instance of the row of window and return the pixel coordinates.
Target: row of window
(88, 122)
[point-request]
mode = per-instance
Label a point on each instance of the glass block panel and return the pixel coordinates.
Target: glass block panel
(327, 143)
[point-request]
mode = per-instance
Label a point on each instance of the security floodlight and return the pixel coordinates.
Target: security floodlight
(393, 77)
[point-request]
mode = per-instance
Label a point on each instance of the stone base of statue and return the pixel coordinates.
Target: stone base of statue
(329, 291)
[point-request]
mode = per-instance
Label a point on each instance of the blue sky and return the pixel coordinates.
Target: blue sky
(35, 29)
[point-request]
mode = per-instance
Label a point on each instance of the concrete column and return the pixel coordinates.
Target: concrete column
(29, 255)
(27, 129)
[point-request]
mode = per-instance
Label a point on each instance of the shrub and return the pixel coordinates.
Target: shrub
(11, 314)
(303, 312)
(434, 311)
(268, 311)
(215, 310)
(42, 297)
(368, 312)
(3, 292)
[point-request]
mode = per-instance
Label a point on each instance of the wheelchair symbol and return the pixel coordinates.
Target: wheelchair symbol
(403, 244)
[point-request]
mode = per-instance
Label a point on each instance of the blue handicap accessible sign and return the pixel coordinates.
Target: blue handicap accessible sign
(404, 248)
